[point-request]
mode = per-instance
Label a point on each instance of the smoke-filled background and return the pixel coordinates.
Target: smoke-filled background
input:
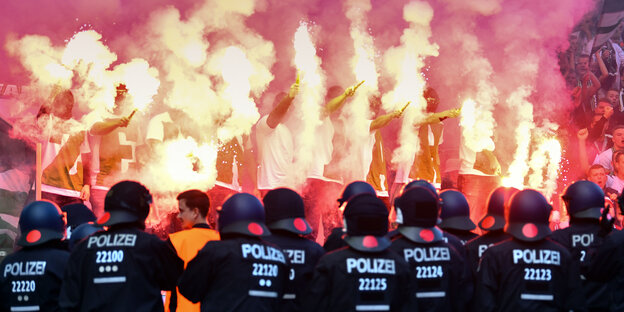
(217, 65)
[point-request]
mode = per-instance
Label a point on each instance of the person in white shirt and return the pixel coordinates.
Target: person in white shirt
(275, 144)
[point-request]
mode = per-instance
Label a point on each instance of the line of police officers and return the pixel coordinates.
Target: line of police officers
(263, 262)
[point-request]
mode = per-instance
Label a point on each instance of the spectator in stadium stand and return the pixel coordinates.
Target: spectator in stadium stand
(615, 180)
(605, 158)
(66, 158)
(112, 141)
(588, 85)
(275, 143)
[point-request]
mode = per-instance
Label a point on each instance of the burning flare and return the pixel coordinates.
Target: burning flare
(306, 117)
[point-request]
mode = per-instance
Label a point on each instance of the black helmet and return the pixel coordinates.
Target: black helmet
(40, 221)
(78, 214)
(355, 188)
(126, 202)
(455, 212)
(243, 214)
(527, 216)
(417, 213)
(366, 221)
(81, 232)
(423, 183)
(494, 219)
(584, 199)
(284, 211)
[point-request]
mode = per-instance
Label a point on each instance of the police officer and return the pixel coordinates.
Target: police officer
(123, 268)
(32, 276)
(240, 272)
(81, 232)
(334, 240)
(444, 280)
(493, 222)
(285, 217)
(455, 215)
(584, 201)
(529, 272)
(448, 237)
(606, 261)
(367, 275)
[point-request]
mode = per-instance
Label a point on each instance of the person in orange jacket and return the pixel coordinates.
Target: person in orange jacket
(194, 206)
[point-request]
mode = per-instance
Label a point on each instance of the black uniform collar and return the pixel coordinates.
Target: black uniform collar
(201, 226)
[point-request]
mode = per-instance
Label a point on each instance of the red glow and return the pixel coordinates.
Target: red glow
(255, 228)
(370, 241)
(488, 222)
(426, 235)
(33, 236)
(300, 224)
(529, 230)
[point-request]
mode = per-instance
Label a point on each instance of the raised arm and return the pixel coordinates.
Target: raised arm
(279, 111)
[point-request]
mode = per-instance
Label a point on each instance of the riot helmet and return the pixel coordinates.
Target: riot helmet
(366, 222)
(284, 211)
(244, 214)
(126, 202)
(527, 216)
(584, 199)
(417, 213)
(40, 221)
(455, 212)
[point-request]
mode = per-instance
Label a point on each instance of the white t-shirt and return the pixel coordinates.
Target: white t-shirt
(323, 149)
(615, 183)
(276, 152)
(467, 161)
(604, 159)
(156, 128)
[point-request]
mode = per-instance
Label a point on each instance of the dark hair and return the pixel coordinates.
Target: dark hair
(618, 127)
(196, 199)
(604, 100)
(594, 167)
(616, 156)
(432, 98)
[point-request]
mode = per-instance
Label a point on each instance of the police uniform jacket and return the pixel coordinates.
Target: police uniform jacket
(31, 278)
(350, 280)
(528, 276)
(238, 273)
(476, 247)
(607, 265)
(334, 240)
(463, 236)
(303, 254)
(122, 269)
(455, 242)
(579, 238)
(444, 280)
